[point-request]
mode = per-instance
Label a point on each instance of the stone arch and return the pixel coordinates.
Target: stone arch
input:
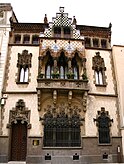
(81, 55)
(43, 54)
(64, 51)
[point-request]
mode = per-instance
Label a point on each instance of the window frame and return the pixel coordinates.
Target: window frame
(26, 39)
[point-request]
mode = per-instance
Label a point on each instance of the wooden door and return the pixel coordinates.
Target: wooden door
(19, 142)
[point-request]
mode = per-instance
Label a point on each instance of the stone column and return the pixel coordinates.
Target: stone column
(40, 71)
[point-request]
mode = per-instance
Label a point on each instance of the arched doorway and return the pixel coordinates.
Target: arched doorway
(18, 124)
(18, 141)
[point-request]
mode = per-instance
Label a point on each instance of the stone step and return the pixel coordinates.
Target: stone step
(16, 162)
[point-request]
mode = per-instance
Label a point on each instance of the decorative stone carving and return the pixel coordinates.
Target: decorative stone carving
(98, 62)
(69, 97)
(24, 59)
(85, 101)
(62, 114)
(103, 122)
(54, 97)
(39, 102)
(21, 113)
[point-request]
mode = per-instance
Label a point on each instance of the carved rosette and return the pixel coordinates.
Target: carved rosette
(19, 113)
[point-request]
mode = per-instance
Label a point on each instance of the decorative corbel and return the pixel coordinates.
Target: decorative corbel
(40, 66)
(85, 101)
(69, 97)
(38, 96)
(54, 97)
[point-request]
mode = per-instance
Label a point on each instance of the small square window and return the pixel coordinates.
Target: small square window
(17, 39)
(103, 43)
(95, 43)
(26, 39)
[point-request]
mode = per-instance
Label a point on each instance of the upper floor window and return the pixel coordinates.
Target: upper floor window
(26, 39)
(99, 77)
(23, 76)
(17, 39)
(49, 66)
(75, 67)
(35, 39)
(95, 42)
(57, 32)
(67, 32)
(99, 69)
(103, 43)
(62, 65)
(87, 42)
(64, 32)
(24, 64)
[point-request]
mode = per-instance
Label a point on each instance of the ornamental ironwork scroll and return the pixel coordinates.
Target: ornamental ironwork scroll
(62, 126)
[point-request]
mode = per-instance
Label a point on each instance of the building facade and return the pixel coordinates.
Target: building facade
(118, 59)
(61, 101)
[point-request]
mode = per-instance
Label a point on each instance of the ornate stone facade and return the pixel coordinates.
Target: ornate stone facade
(57, 107)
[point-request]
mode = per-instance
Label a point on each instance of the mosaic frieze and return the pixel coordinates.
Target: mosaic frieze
(57, 45)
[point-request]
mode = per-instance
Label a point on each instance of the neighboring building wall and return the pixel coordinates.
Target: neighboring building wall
(5, 14)
(118, 58)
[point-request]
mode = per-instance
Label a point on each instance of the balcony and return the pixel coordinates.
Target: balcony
(63, 84)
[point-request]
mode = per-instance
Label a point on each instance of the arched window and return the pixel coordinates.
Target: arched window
(23, 74)
(49, 66)
(99, 69)
(99, 77)
(75, 67)
(24, 64)
(62, 65)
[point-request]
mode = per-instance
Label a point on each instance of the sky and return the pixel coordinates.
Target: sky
(87, 12)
